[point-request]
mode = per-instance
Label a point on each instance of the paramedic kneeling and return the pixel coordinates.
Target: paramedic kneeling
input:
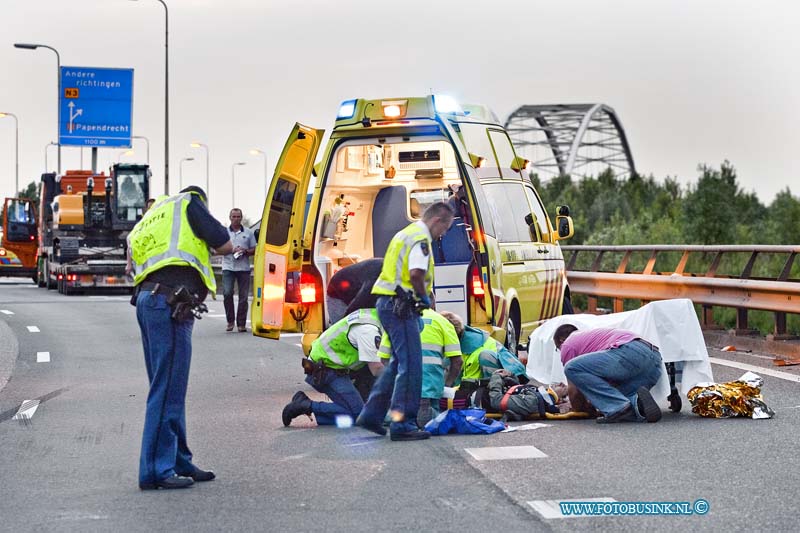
(404, 286)
(335, 359)
(613, 369)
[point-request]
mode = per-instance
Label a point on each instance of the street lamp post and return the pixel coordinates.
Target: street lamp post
(233, 175)
(31, 46)
(256, 151)
(16, 149)
(180, 171)
(166, 96)
(46, 146)
(146, 144)
(204, 147)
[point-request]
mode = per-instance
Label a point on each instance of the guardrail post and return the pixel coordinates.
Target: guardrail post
(742, 327)
(708, 318)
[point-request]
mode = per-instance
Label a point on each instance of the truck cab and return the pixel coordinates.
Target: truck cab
(499, 266)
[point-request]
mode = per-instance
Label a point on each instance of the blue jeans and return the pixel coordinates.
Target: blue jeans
(400, 384)
(242, 278)
(345, 397)
(167, 355)
(609, 379)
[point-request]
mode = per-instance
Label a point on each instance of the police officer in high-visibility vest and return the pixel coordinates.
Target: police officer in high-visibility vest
(337, 357)
(441, 354)
(172, 274)
(404, 286)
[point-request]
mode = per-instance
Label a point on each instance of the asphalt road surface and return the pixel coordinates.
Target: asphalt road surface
(70, 464)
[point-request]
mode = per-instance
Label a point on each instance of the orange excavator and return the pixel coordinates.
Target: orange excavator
(19, 245)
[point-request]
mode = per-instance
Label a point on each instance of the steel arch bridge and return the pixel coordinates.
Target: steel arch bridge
(571, 139)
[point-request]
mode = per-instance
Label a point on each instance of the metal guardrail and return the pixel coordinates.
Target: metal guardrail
(779, 294)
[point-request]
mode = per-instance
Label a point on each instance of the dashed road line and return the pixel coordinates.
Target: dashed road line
(550, 509)
(6, 312)
(756, 369)
(33, 329)
(42, 357)
(497, 453)
(26, 410)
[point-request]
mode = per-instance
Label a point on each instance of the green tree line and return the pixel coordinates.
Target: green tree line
(714, 210)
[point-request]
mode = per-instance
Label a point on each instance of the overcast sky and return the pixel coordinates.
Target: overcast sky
(692, 81)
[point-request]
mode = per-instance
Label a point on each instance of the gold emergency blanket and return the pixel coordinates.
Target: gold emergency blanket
(734, 398)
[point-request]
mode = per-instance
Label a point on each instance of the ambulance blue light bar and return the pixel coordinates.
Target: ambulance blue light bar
(347, 109)
(443, 103)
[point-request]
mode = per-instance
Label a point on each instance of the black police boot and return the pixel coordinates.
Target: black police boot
(300, 405)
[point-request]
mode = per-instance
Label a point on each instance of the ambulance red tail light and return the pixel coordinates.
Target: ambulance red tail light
(476, 284)
(308, 288)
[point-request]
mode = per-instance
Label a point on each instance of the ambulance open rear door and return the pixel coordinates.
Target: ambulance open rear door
(280, 246)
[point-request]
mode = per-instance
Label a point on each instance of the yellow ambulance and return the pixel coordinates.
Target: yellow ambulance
(499, 266)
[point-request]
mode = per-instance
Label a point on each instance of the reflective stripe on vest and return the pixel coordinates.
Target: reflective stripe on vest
(395, 265)
(432, 360)
(175, 253)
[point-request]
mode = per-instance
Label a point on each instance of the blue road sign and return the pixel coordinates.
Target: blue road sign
(95, 107)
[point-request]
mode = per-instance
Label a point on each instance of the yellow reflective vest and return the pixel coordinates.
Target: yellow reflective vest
(395, 264)
(164, 238)
(334, 349)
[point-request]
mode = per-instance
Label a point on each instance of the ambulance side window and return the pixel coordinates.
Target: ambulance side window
(508, 208)
(280, 212)
(476, 139)
(505, 154)
(538, 213)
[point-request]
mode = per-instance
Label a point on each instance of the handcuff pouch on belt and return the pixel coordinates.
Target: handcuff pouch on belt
(405, 305)
(185, 305)
(314, 369)
(319, 372)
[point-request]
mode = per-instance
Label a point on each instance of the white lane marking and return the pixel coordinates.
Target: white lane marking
(215, 315)
(757, 369)
(300, 345)
(42, 357)
(6, 312)
(549, 509)
(505, 452)
(526, 427)
(33, 329)
(292, 334)
(26, 410)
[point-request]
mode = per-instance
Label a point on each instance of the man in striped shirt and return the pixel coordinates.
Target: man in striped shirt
(613, 369)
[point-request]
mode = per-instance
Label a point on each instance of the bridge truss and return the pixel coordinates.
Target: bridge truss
(571, 139)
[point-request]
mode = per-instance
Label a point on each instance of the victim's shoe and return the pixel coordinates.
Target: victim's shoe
(229, 326)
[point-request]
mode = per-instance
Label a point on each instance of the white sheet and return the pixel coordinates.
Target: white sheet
(671, 325)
